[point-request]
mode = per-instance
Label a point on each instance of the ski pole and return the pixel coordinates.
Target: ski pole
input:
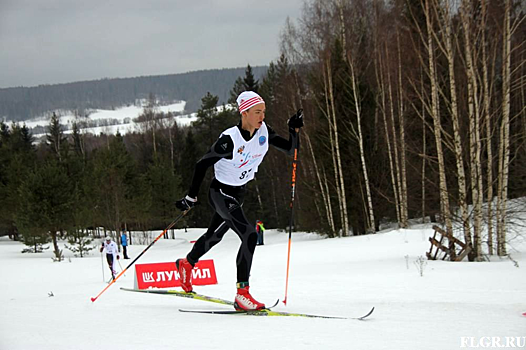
(118, 260)
(291, 222)
(144, 251)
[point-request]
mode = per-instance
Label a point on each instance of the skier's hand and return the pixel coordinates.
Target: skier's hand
(101, 249)
(296, 121)
(185, 203)
(118, 257)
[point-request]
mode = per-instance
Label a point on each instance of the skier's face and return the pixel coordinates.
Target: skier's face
(253, 118)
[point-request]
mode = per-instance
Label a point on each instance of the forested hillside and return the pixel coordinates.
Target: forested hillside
(414, 110)
(22, 103)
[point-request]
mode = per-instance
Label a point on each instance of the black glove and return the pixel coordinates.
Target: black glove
(185, 203)
(296, 121)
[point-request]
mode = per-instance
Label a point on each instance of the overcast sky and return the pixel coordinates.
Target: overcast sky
(58, 41)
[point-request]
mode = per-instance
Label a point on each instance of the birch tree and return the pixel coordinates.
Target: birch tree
(335, 147)
(435, 114)
(401, 112)
(357, 104)
(488, 126)
(448, 50)
(504, 144)
(474, 127)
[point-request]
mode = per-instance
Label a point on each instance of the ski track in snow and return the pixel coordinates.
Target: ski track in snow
(335, 277)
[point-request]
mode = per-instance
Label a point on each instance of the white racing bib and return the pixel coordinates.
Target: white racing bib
(111, 248)
(246, 159)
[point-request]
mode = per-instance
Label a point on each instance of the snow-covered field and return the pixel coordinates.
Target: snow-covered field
(110, 121)
(452, 305)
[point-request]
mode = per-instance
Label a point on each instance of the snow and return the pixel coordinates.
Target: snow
(121, 119)
(338, 277)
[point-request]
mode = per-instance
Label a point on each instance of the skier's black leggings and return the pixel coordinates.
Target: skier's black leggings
(227, 202)
(109, 258)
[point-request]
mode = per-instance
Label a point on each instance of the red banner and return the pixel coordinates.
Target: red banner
(165, 275)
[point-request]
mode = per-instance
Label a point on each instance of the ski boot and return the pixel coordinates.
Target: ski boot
(185, 274)
(245, 301)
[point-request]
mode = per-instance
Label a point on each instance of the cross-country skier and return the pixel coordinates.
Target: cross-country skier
(112, 254)
(235, 156)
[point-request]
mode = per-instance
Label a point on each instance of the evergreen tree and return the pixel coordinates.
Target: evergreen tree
(34, 238)
(193, 152)
(78, 142)
(192, 155)
(239, 87)
(267, 90)
(247, 83)
(5, 157)
(250, 83)
(207, 119)
(55, 138)
(45, 198)
(114, 178)
(17, 157)
(165, 187)
(81, 207)
(79, 241)
(4, 132)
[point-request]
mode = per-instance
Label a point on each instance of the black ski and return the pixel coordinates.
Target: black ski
(269, 312)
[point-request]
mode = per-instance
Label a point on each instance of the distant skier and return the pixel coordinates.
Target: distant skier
(112, 254)
(260, 229)
(235, 156)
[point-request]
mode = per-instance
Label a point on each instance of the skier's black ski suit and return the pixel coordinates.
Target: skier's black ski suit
(227, 201)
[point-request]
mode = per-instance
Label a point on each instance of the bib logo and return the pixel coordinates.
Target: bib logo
(262, 140)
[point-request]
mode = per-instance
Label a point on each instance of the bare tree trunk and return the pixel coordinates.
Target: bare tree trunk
(56, 249)
(170, 137)
(342, 28)
(258, 195)
(329, 206)
(474, 135)
(504, 146)
(461, 175)
(274, 199)
(395, 144)
(403, 195)
(357, 103)
(424, 156)
(325, 195)
(339, 179)
(380, 98)
(444, 195)
(332, 147)
(487, 117)
(391, 165)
